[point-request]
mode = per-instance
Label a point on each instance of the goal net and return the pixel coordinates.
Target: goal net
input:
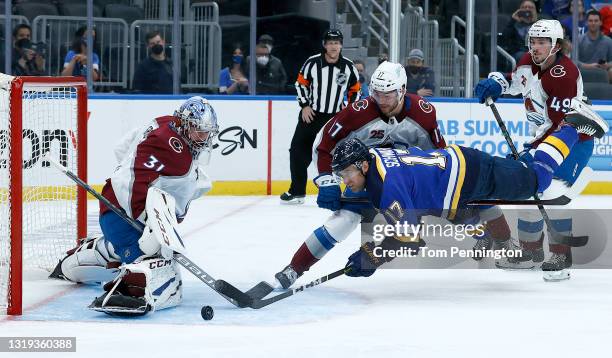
(42, 212)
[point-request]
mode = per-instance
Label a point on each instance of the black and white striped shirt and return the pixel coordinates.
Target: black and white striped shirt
(322, 85)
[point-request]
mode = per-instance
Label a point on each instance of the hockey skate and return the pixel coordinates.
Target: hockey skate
(523, 261)
(290, 199)
(287, 277)
(481, 247)
(557, 267)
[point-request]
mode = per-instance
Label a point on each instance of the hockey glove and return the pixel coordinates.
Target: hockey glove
(524, 155)
(329, 192)
(492, 87)
(363, 263)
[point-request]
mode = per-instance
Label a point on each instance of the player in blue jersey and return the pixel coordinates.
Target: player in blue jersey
(405, 185)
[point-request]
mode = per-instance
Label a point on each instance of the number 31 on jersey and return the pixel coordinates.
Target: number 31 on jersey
(154, 164)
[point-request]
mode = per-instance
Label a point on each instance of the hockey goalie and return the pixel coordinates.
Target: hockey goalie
(159, 174)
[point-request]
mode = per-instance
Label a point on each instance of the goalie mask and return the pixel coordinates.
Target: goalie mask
(197, 123)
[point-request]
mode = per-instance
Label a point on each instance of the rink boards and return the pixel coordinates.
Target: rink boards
(252, 155)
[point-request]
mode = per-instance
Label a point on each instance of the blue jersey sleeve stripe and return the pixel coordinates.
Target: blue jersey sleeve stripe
(380, 167)
(460, 180)
(452, 178)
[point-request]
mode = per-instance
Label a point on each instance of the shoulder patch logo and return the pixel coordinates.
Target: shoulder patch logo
(176, 144)
(425, 106)
(557, 71)
(359, 105)
(341, 79)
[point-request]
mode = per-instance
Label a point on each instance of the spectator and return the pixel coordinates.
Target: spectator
(363, 77)
(22, 31)
(271, 77)
(595, 49)
(154, 74)
(567, 22)
(75, 63)
(606, 18)
(28, 62)
(560, 9)
(232, 79)
(421, 79)
(513, 35)
(268, 41)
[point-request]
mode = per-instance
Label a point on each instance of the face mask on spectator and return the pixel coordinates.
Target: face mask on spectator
(414, 69)
(237, 59)
(263, 60)
(157, 49)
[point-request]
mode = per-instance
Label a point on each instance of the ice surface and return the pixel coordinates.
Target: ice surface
(425, 313)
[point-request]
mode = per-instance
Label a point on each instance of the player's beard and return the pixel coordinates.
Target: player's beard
(390, 109)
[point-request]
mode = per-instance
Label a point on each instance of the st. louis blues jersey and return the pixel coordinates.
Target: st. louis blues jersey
(407, 184)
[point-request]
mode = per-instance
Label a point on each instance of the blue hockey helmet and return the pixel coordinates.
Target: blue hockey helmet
(197, 123)
(351, 151)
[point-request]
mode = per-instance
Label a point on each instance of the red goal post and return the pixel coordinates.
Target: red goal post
(42, 213)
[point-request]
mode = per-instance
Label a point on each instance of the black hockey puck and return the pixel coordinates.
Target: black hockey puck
(207, 313)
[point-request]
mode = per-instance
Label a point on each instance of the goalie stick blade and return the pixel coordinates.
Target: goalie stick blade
(260, 290)
(562, 200)
(227, 289)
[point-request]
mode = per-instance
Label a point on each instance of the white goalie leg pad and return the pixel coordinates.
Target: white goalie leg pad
(88, 262)
(336, 229)
(163, 287)
(148, 244)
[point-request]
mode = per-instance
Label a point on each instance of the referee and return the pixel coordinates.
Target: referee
(322, 83)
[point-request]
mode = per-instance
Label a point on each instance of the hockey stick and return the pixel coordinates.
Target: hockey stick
(228, 289)
(263, 288)
(561, 200)
(238, 300)
(574, 241)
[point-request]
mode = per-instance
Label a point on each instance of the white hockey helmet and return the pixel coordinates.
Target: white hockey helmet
(196, 114)
(551, 29)
(388, 77)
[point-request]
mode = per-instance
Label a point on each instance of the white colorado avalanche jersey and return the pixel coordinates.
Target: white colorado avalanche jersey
(155, 155)
(547, 94)
(414, 126)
